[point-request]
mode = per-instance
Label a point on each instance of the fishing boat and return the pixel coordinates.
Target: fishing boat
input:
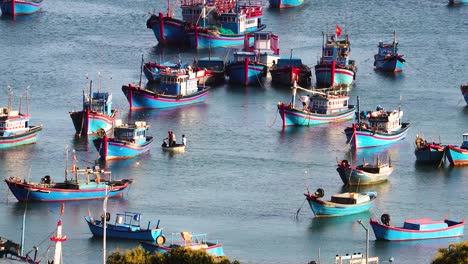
(416, 229)
(322, 106)
(285, 3)
(334, 66)
(250, 66)
(340, 204)
(289, 70)
(170, 30)
(387, 58)
(215, 67)
(456, 2)
(187, 240)
(79, 184)
(152, 70)
(129, 140)
(364, 174)
(177, 88)
(126, 226)
(458, 155)
(174, 148)
(383, 128)
(20, 7)
(96, 115)
(464, 91)
(431, 153)
(14, 125)
(230, 27)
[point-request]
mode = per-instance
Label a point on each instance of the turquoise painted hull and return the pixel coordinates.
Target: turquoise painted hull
(146, 99)
(119, 149)
(253, 75)
(297, 117)
(328, 209)
(388, 65)
(285, 3)
(20, 7)
(354, 177)
(29, 137)
(342, 76)
(89, 123)
(203, 40)
(456, 2)
(431, 154)
(122, 231)
(391, 233)
(363, 138)
(456, 156)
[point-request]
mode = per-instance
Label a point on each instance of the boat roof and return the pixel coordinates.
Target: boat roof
(210, 59)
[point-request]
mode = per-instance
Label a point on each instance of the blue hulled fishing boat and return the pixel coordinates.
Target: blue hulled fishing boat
(215, 67)
(334, 66)
(129, 140)
(416, 229)
(464, 91)
(340, 204)
(20, 7)
(79, 184)
(456, 2)
(96, 116)
(126, 226)
(289, 70)
(458, 155)
(430, 153)
(152, 70)
(322, 106)
(15, 129)
(387, 59)
(285, 3)
(383, 127)
(187, 240)
(364, 174)
(250, 66)
(230, 27)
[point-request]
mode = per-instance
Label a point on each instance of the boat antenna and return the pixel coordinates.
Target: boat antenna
(66, 163)
(358, 111)
(10, 97)
(395, 42)
(90, 94)
(141, 68)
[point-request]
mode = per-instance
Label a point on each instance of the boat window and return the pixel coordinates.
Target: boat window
(329, 53)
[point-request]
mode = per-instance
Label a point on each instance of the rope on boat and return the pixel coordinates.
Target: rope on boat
(274, 120)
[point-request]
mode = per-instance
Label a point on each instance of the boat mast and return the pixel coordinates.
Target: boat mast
(141, 68)
(10, 98)
(104, 207)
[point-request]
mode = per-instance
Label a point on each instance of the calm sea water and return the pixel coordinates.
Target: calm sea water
(241, 179)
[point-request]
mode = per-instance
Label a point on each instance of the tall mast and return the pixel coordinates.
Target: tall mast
(10, 98)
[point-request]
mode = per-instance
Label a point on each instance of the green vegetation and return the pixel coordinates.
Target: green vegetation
(179, 255)
(456, 253)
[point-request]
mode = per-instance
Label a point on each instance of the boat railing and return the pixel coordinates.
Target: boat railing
(99, 175)
(187, 238)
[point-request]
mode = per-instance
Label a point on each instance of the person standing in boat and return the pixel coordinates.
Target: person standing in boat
(170, 138)
(184, 140)
(173, 139)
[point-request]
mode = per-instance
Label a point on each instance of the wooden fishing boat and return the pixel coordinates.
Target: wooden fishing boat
(322, 106)
(431, 153)
(129, 140)
(230, 27)
(177, 88)
(464, 91)
(285, 3)
(96, 114)
(289, 70)
(416, 229)
(340, 204)
(188, 240)
(126, 226)
(457, 2)
(20, 7)
(250, 66)
(364, 174)
(14, 125)
(215, 66)
(152, 70)
(387, 59)
(383, 128)
(458, 155)
(79, 184)
(335, 67)
(174, 148)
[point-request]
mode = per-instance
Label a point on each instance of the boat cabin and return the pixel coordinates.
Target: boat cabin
(350, 198)
(242, 55)
(181, 83)
(128, 221)
(131, 132)
(12, 122)
(465, 141)
(195, 13)
(289, 62)
(248, 17)
(336, 50)
(385, 121)
(100, 102)
(265, 43)
(328, 104)
(387, 49)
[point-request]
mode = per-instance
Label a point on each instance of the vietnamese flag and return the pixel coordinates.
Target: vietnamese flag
(338, 31)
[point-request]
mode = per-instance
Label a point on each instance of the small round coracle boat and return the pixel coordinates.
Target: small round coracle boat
(173, 148)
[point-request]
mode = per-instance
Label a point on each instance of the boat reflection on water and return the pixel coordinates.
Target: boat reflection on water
(328, 225)
(370, 154)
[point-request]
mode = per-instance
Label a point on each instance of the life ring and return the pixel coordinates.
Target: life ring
(160, 240)
(385, 218)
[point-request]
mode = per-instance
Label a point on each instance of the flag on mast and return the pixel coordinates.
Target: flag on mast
(338, 31)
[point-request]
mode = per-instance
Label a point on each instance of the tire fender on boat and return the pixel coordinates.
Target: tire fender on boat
(160, 240)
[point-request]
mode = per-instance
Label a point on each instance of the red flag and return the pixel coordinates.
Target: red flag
(338, 31)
